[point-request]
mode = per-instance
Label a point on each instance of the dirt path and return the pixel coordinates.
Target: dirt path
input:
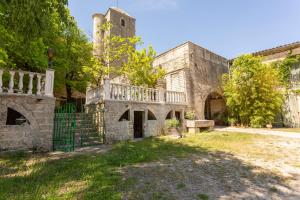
(221, 175)
(259, 131)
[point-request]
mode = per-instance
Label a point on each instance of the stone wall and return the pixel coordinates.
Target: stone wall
(292, 111)
(37, 132)
(123, 130)
(200, 71)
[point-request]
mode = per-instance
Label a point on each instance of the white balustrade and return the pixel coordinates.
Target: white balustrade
(44, 82)
(121, 92)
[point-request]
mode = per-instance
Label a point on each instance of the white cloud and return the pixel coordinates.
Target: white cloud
(155, 4)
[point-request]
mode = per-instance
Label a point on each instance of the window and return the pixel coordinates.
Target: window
(15, 118)
(169, 116)
(125, 116)
(151, 116)
(123, 22)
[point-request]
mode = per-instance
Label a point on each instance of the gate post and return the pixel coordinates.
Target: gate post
(49, 82)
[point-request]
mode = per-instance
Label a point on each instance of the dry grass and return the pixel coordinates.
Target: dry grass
(259, 160)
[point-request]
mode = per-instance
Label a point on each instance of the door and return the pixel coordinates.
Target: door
(138, 124)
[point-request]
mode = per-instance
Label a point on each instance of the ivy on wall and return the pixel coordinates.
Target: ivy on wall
(286, 66)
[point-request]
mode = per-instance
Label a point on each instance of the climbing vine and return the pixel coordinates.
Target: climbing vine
(286, 66)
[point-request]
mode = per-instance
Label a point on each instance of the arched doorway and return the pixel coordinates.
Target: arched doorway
(215, 109)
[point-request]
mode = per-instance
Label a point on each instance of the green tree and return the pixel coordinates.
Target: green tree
(253, 92)
(117, 56)
(28, 28)
(139, 68)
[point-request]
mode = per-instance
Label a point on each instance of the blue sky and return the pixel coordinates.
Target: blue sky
(227, 27)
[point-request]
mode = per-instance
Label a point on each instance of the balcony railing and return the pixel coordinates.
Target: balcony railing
(120, 92)
(38, 84)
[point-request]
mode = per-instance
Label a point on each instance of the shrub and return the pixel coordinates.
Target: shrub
(172, 123)
(253, 92)
(190, 115)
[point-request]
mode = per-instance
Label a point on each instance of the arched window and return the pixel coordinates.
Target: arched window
(123, 22)
(151, 116)
(169, 115)
(15, 118)
(125, 116)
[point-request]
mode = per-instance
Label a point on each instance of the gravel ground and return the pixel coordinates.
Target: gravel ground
(221, 175)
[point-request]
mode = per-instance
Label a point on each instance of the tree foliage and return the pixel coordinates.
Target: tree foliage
(286, 66)
(119, 57)
(253, 92)
(28, 28)
(139, 68)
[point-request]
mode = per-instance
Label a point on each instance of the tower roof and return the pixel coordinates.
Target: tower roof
(120, 11)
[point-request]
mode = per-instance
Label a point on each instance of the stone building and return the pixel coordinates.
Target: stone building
(26, 111)
(291, 115)
(197, 72)
(192, 83)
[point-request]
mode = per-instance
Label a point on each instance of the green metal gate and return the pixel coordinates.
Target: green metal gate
(64, 128)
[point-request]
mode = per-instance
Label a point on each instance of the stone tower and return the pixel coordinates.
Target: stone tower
(122, 24)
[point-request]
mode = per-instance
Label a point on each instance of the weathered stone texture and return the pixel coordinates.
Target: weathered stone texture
(35, 134)
(123, 130)
(195, 69)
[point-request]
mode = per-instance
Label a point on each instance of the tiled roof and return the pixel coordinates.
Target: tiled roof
(278, 49)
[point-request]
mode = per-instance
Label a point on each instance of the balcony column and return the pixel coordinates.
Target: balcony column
(21, 75)
(11, 82)
(38, 87)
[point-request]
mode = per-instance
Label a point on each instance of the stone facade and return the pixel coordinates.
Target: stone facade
(195, 70)
(118, 129)
(122, 24)
(291, 115)
(36, 132)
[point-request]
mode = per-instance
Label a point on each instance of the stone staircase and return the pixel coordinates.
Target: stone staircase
(86, 131)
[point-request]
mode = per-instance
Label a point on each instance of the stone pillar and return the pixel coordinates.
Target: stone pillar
(106, 89)
(49, 83)
(199, 110)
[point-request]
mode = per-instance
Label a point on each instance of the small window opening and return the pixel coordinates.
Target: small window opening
(151, 116)
(15, 118)
(123, 22)
(169, 116)
(125, 116)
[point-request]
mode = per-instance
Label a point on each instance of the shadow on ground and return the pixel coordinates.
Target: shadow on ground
(150, 169)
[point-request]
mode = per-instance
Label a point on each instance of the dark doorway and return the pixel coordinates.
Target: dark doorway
(215, 109)
(138, 124)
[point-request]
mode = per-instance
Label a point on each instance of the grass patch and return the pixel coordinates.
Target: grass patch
(26, 176)
(203, 197)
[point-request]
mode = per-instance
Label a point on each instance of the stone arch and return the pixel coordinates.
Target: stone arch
(215, 108)
(119, 115)
(167, 113)
(25, 113)
(151, 115)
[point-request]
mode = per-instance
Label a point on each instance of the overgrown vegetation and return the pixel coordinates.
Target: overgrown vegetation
(253, 92)
(286, 66)
(28, 28)
(117, 56)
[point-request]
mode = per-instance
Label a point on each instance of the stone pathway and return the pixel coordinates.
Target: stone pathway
(294, 135)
